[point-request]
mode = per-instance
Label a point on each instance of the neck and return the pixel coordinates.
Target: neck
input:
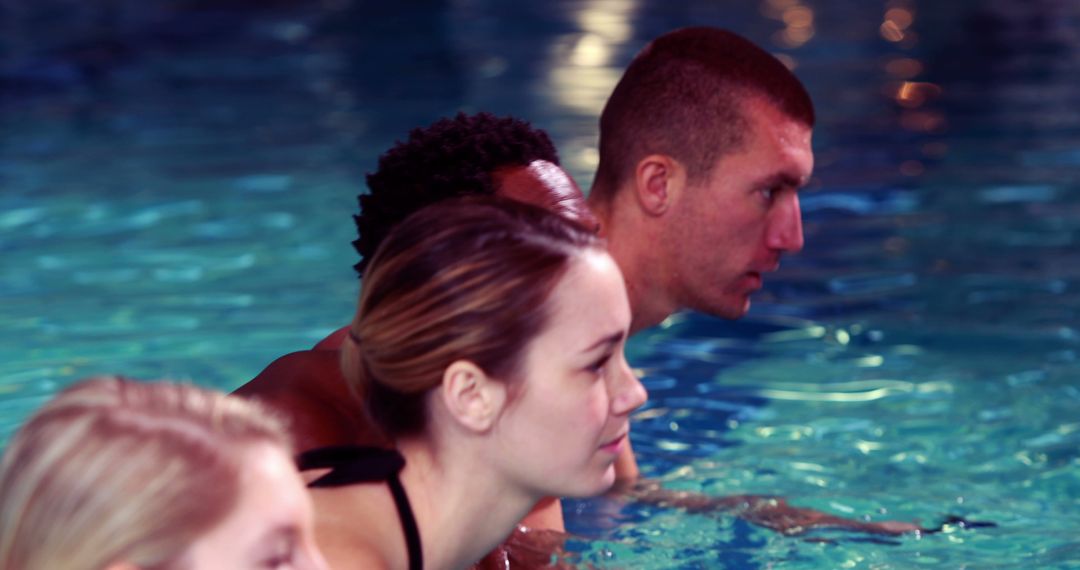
(634, 241)
(462, 512)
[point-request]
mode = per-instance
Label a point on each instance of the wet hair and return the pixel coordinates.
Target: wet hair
(452, 157)
(684, 95)
(466, 279)
(114, 470)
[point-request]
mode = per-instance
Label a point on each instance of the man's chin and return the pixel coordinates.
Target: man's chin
(731, 308)
(741, 311)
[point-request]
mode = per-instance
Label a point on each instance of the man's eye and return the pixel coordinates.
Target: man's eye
(770, 193)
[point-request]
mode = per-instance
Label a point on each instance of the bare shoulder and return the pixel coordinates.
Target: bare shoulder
(356, 526)
(287, 373)
(333, 340)
(353, 556)
(308, 390)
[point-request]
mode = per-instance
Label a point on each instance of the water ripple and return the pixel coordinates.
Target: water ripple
(871, 283)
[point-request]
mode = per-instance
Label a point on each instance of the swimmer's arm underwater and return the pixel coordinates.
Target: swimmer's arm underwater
(769, 512)
(766, 511)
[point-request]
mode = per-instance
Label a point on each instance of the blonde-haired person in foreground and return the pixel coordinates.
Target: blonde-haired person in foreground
(123, 475)
(488, 347)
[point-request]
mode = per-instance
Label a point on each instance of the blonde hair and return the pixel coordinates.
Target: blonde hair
(115, 470)
(465, 279)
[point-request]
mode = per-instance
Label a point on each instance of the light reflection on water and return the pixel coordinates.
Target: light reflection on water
(176, 200)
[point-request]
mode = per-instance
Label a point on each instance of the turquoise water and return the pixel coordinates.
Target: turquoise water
(178, 179)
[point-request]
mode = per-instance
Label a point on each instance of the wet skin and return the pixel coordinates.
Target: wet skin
(545, 184)
(571, 416)
(307, 386)
(309, 389)
(732, 227)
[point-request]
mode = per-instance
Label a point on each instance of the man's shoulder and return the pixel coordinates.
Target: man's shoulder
(306, 368)
(309, 391)
(333, 340)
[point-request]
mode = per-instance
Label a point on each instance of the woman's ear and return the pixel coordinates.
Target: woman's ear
(472, 397)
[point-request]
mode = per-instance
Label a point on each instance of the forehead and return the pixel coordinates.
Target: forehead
(545, 184)
(589, 299)
(266, 470)
(777, 145)
(535, 183)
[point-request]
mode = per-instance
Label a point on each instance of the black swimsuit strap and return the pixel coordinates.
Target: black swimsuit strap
(408, 524)
(351, 464)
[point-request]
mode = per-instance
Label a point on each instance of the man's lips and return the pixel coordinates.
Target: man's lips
(767, 267)
(757, 274)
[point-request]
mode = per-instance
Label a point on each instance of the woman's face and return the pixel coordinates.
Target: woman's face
(569, 420)
(270, 528)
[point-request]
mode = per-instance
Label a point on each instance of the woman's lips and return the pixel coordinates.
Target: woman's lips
(613, 445)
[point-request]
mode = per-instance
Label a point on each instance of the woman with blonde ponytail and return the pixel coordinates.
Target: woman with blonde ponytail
(115, 474)
(488, 348)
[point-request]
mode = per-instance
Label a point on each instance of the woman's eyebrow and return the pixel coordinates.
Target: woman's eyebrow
(610, 339)
(284, 531)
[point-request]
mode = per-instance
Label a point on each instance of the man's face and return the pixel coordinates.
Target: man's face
(545, 184)
(732, 226)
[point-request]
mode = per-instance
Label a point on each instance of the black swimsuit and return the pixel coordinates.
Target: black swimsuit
(351, 464)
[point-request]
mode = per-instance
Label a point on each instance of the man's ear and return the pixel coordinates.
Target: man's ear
(472, 397)
(658, 181)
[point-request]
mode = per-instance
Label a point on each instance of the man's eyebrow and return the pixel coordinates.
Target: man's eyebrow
(610, 339)
(779, 179)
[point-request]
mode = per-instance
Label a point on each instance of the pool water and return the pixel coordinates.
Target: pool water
(178, 177)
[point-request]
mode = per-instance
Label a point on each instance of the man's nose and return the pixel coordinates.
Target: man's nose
(785, 227)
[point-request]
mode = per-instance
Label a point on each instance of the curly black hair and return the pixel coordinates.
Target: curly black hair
(452, 157)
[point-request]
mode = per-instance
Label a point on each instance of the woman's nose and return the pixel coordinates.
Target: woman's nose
(629, 394)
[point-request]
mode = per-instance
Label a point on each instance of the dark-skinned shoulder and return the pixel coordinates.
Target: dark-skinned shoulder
(309, 391)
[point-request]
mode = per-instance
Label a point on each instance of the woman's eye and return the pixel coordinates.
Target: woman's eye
(279, 562)
(769, 193)
(283, 557)
(598, 366)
